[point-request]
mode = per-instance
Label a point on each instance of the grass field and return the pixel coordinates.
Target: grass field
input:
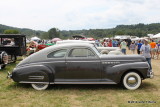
(23, 95)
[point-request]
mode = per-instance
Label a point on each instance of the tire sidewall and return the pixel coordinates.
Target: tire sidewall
(38, 88)
(138, 79)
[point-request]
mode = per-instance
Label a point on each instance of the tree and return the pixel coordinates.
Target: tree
(53, 33)
(44, 35)
(11, 31)
(120, 32)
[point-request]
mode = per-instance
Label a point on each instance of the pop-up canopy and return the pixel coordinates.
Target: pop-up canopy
(156, 36)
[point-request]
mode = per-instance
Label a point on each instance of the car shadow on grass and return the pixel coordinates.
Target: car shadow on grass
(145, 85)
(148, 86)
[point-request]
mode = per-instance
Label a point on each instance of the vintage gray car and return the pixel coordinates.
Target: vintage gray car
(80, 64)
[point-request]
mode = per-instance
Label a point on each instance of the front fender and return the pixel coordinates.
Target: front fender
(32, 73)
(115, 72)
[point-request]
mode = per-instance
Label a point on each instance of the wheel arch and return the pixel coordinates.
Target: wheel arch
(131, 70)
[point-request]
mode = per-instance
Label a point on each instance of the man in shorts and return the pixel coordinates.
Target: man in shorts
(153, 48)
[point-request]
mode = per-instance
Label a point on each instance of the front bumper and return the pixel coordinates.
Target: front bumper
(150, 74)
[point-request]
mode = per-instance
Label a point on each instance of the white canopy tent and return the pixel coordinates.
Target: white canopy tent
(35, 38)
(156, 36)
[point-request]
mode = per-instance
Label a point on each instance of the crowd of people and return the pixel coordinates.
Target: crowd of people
(134, 46)
(147, 47)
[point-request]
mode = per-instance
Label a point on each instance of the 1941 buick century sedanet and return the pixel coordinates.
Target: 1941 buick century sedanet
(80, 64)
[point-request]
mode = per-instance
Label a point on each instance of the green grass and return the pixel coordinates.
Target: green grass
(23, 95)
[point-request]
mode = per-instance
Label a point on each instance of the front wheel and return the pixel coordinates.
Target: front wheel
(132, 81)
(39, 86)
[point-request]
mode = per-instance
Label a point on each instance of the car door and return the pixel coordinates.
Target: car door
(56, 61)
(82, 65)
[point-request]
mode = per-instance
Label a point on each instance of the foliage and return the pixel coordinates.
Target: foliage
(11, 31)
(53, 33)
(25, 31)
(139, 30)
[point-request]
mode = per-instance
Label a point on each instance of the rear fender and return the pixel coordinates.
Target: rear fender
(32, 73)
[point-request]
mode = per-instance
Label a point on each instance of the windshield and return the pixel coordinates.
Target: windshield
(98, 45)
(96, 50)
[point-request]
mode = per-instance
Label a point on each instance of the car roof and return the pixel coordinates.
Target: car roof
(40, 55)
(71, 45)
(11, 35)
(74, 41)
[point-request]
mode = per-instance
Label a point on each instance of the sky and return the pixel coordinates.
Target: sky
(77, 14)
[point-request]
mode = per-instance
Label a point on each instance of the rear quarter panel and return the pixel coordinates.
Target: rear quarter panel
(32, 73)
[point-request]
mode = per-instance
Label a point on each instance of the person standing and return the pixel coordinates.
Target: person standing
(146, 52)
(110, 43)
(105, 43)
(158, 49)
(133, 47)
(123, 46)
(129, 43)
(139, 47)
(153, 49)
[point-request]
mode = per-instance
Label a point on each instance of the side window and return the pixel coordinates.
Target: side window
(7, 42)
(57, 54)
(81, 53)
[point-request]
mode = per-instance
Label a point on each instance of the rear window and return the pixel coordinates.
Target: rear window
(57, 54)
(81, 53)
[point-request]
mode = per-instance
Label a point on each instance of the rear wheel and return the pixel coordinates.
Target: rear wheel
(39, 86)
(132, 81)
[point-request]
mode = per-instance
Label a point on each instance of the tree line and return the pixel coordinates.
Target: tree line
(139, 30)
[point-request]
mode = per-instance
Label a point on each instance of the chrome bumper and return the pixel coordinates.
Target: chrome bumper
(9, 75)
(150, 74)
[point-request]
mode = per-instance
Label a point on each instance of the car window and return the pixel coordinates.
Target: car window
(7, 42)
(57, 54)
(81, 52)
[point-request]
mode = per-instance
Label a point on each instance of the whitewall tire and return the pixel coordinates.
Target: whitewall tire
(132, 81)
(39, 86)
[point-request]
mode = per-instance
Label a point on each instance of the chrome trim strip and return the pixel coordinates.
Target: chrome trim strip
(33, 82)
(36, 77)
(83, 83)
(69, 82)
(37, 63)
(83, 61)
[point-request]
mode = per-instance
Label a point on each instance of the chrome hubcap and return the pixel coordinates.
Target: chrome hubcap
(132, 81)
(40, 85)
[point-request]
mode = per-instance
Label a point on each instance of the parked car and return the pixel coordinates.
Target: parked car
(99, 46)
(3, 59)
(13, 44)
(80, 64)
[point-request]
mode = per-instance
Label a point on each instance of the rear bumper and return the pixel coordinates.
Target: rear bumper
(9, 76)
